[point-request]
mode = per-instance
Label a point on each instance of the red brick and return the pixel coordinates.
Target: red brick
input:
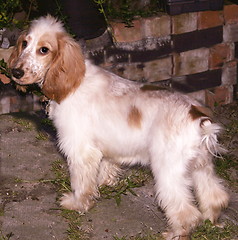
(219, 96)
(184, 23)
(231, 13)
(219, 54)
(4, 104)
(122, 33)
(209, 19)
(132, 72)
(230, 32)
(229, 73)
(157, 70)
(129, 71)
(37, 106)
(156, 26)
(190, 62)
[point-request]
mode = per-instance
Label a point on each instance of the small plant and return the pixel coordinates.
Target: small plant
(61, 176)
(126, 10)
(4, 69)
(8, 10)
(4, 72)
(136, 179)
(24, 123)
(41, 136)
(141, 237)
(208, 231)
(74, 231)
(6, 237)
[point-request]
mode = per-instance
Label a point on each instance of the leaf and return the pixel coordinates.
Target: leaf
(4, 78)
(118, 199)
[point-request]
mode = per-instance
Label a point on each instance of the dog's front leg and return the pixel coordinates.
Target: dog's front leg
(83, 175)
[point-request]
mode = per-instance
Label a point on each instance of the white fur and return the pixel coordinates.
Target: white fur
(108, 121)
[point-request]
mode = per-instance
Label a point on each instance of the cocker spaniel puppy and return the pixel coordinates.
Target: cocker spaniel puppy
(104, 121)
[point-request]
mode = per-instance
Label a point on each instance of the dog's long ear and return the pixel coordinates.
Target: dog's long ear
(67, 70)
(16, 50)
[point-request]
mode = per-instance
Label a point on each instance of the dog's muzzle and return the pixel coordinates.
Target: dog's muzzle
(17, 73)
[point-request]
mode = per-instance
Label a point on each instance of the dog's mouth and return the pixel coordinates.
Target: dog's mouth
(21, 77)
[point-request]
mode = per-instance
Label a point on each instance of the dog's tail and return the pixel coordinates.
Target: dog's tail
(210, 132)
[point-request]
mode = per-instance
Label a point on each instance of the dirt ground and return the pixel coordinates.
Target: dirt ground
(29, 207)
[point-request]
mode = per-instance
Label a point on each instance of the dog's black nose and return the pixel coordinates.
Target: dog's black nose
(17, 73)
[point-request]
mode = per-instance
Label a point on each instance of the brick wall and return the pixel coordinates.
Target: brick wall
(12, 100)
(195, 53)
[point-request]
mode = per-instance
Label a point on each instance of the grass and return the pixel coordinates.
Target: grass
(74, 231)
(5, 237)
(135, 179)
(208, 231)
(61, 180)
(41, 136)
(140, 237)
(224, 168)
(24, 123)
(1, 212)
(227, 167)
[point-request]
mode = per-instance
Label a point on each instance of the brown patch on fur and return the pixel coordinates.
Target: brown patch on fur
(67, 70)
(134, 117)
(152, 88)
(199, 111)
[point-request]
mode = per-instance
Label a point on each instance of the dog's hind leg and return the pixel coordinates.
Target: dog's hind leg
(173, 192)
(209, 191)
(109, 173)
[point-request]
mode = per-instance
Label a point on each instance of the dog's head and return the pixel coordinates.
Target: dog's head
(47, 55)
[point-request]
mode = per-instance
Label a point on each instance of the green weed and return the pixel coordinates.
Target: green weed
(208, 231)
(61, 176)
(41, 136)
(140, 237)
(24, 123)
(136, 179)
(74, 231)
(5, 237)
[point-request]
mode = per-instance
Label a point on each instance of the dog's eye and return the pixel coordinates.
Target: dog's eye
(24, 44)
(44, 50)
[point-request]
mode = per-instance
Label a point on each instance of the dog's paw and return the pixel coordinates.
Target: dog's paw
(171, 236)
(216, 203)
(183, 222)
(82, 204)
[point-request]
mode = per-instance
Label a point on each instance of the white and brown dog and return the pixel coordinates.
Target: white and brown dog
(105, 121)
